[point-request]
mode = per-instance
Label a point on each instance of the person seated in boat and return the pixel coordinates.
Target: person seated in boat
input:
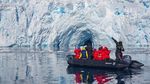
(97, 55)
(101, 54)
(106, 53)
(119, 50)
(77, 52)
(84, 54)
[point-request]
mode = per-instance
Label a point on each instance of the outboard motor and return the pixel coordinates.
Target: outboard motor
(127, 59)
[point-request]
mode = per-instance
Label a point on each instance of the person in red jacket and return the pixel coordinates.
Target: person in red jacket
(77, 52)
(106, 53)
(97, 55)
(101, 54)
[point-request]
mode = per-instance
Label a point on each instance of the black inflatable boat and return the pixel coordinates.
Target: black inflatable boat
(113, 64)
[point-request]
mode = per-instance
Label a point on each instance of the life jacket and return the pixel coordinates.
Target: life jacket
(84, 53)
(77, 53)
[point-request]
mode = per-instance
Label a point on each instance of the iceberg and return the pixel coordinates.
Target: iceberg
(71, 23)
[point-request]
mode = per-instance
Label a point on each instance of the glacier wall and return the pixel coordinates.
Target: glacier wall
(69, 23)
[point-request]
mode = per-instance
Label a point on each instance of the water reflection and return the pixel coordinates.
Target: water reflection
(38, 67)
(99, 76)
(27, 68)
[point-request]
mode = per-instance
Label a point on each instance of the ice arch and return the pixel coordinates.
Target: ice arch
(81, 34)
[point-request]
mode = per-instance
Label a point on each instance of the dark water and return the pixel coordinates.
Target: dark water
(50, 67)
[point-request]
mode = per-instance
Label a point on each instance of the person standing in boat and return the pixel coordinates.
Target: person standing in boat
(119, 49)
(84, 54)
(89, 50)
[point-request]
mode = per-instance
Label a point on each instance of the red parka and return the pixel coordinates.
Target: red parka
(101, 54)
(77, 53)
(97, 55)
(106, 53)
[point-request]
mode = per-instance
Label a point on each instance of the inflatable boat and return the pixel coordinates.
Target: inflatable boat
(113, 64)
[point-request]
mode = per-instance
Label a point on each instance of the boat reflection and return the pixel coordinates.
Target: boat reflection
(100, 76)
